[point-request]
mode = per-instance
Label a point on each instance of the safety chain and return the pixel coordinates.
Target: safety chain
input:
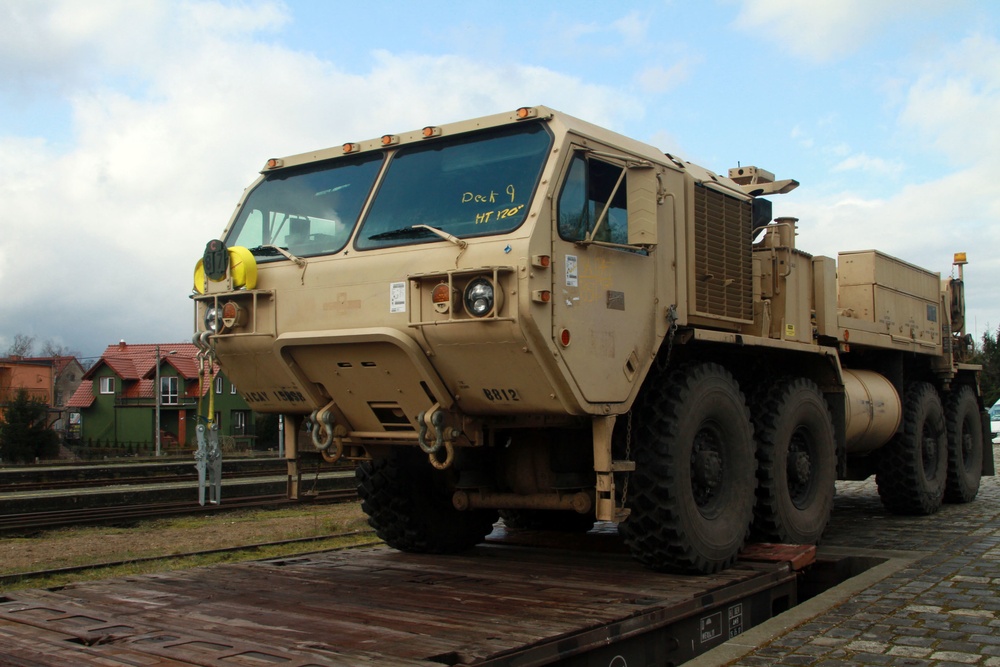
(628, 456)
(664, 360)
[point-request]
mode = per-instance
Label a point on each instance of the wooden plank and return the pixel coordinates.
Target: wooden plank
(373, 606)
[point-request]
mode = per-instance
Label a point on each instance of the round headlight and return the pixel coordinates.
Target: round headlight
(213, 319)
(479, 297)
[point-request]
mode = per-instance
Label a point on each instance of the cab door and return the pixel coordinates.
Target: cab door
(603, 285)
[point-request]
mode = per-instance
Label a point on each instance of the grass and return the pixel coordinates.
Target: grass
(165, 538)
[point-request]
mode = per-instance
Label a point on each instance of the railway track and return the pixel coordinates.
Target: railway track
(16, 481)
(55, 485)
(30, 521)
(19, 577)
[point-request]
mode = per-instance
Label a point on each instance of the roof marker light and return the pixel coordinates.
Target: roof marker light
(526, 112)
(351, 148)
(389, 139)
(274, 163)
(431, 131)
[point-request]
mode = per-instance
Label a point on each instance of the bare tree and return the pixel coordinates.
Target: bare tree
(22, 346)
(51, 349)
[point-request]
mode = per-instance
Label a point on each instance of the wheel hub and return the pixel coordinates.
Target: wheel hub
(929, 453)
(706, 471)
(799, 469)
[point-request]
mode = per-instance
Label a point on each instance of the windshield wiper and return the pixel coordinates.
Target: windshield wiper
(271, 250)
(401, 233)
(419, 230)
(266, 250)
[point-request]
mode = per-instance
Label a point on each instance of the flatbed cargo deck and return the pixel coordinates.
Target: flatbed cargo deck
(508, 602)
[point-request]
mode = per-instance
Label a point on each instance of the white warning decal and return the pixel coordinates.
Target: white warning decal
(572, 279)
(397, 297)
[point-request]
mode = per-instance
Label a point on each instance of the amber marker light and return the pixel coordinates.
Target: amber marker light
(541, 261)
(351, 148)
(441, 297)
(526, 112)
(274, 163)
(389, 139)
(232, 315)
(960, 258)
(431, 131)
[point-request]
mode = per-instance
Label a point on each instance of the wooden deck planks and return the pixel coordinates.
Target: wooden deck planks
(370, 606)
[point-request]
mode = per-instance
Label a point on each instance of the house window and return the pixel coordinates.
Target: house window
(239, 422)
(107, 385)
(168, 391)
(218, 384)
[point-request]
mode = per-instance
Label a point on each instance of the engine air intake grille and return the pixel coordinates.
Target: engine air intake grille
(723, 280)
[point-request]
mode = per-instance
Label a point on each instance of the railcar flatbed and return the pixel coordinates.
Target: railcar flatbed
(508, 602)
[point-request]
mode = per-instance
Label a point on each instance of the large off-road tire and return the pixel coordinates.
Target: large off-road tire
(554, 520)
(796, 463)
(691, 496)
(965, 446)
(408, 503)
(913, 466)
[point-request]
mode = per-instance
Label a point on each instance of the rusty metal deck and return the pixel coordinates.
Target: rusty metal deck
(504, 603)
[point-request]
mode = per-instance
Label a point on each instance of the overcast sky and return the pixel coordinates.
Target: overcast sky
(129, 129)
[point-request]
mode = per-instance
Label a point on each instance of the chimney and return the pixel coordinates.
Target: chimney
(121, 344)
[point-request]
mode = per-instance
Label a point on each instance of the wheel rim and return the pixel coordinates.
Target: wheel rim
(799, 469)
(929, 451)
(707, 471)
(968, 445)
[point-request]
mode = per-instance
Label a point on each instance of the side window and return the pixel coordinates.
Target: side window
(107, 385)
(594, 194)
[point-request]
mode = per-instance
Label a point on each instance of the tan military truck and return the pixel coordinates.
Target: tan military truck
(529, 316)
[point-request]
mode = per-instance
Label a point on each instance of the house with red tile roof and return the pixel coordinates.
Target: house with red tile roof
(116, 403)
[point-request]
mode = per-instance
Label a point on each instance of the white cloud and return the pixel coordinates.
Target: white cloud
(632, 27)
(154, 170)
(871, 165)
(822, 30)
(955, 103)
(659, 79)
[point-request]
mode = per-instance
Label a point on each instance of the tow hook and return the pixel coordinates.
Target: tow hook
(434, 419)
(326, 435)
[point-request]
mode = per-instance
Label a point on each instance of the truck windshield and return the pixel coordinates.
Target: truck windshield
(309, 211)
(474, 185)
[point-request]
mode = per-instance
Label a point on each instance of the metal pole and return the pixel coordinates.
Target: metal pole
(157, 390)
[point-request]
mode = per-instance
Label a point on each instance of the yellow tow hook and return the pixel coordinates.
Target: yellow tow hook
(434, 419)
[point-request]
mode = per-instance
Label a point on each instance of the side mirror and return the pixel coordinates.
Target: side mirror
(642, 191)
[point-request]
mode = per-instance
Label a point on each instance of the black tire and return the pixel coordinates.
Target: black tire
(796, 463)
(408, 503)
(554, 520)
(965, 446)
(691, 496)
(913, 466)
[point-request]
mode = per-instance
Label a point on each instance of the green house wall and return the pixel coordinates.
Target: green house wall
(110, 420)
